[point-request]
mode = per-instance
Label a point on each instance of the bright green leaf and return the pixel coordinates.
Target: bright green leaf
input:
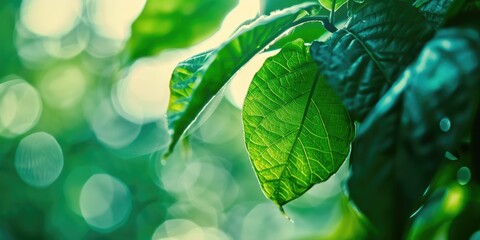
(175, 24)
(328, 4)
(204, 81)
(364, 59)
(309, 32)
(268, 6)
(297, 131)
(183, 82)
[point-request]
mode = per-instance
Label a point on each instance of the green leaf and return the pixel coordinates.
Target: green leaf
(435, 11)
(328, 4)
(309, 32)
(467, 222)
(362, 60)
(184, 77)
(268, 6)
(175, 24)
(204, 81)
(419, 3)
(427, 112)
(297, 131)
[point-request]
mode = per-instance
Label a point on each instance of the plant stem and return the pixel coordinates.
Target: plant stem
(332, 12)
(323, 19)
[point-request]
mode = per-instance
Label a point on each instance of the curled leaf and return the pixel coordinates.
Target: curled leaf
(193, 87)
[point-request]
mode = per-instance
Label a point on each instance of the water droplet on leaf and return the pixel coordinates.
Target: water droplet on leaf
(475, 235)
(463, 175)
(450, 156)
(445, 124)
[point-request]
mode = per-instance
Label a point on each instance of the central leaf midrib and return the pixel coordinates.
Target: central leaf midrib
(302, 67)
(307, 106)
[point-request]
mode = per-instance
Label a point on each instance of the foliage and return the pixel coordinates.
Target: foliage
(175, 24)
(290, 111)
(408, 73)
(381, 94)
(205, 80)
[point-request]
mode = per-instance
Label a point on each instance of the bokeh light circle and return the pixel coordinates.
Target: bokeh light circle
(113, 18)
(39, 159)
(143, 94)
(112, 129)
(238, 87)
(20, 107)
(187, 230)
(38, 17)
(105, 202)
(63, 87)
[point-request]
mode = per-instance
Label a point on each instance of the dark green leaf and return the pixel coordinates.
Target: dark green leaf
(205, 80)
(458, 8)
(428, 111)
(297, 131)
(175, 24)
(434, 11)
(419, 3)
(467, 222)
(363, 60)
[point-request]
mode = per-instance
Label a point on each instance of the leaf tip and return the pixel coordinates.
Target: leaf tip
(166, 155)
(284, 214)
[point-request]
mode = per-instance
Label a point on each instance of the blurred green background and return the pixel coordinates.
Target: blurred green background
(82, 129)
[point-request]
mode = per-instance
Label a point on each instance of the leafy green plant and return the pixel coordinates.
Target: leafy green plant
(406, 73)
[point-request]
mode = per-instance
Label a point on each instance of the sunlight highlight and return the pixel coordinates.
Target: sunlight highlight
(20, 107)
(105, 202)
(113, 18)
(38, 17)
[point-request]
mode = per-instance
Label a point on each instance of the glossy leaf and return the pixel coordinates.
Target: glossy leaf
(206, 80)
(362, 60)
(427, 112)
(297, 131)
(175, 24)
(434, 11)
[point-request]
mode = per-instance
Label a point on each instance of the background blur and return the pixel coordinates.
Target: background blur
(81, 129)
